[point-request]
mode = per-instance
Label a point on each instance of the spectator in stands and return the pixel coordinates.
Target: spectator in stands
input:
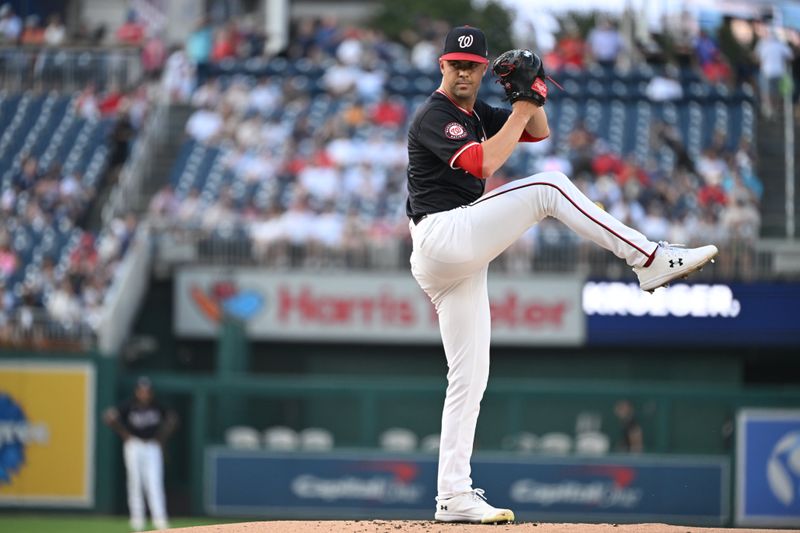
(28, 175)
(369, 82)
(189, 209)
(64, 305)
(154, 55)
(743, 222)
(388, 111)
(132, 31)
(164, 204)
(665, 86)
(297, 222)
(265, 97)
(581, 148)
(738, 54)
(425, 53)
(8, 258)
(350, 50)
(773, 56)
(355, 239)
(325, 239)
(340, 79)
(179, 76)
(710, 60)
(222, 214)
(10, 24)
(326, 35)
(208, 94)
(268, 235)
(86, 105)
(604, 43)
(32, 33)
(199, 45)
(237, 97)
(55, 34)
(631, 437)
(205, 124)
(6, 307)
(122, 136)
(226, 42)
(571, 49)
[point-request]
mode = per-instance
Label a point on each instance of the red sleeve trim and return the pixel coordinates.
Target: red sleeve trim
(528, 138)
(460, 151)
(470, 158)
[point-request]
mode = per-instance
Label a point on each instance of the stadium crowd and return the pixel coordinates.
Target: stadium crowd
(59, 291)
(318, 178)
(335, 179)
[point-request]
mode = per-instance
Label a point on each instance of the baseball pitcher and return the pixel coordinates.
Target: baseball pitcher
(455, 142)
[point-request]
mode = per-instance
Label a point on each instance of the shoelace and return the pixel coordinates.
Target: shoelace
(665, 244)
(478, 494)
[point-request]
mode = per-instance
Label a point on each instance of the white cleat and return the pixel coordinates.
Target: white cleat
(673, 261)
(471, 507)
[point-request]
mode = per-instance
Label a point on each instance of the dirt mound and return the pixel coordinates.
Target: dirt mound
(394, 526)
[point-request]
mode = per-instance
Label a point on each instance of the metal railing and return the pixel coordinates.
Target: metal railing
(127, 194)
(37, 329)
(738, 260)
(68, 68)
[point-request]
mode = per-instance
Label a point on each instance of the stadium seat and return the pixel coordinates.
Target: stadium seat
(523, 441)
(398, 440)
(281, 438)
(591, 443)
(430, 443)
(555, 444)
(243, 438)
(316, 440)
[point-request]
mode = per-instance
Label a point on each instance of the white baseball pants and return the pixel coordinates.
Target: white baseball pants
(144, 465)
(450, 258)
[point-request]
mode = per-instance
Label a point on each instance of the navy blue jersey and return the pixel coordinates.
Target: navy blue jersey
(142, 421)
(440, 131)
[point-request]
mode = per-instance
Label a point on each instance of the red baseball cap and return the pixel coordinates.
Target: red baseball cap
(465, 43)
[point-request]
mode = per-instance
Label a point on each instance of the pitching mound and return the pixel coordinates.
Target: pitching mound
(394, 526)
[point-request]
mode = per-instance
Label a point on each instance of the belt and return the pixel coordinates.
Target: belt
(416, 219)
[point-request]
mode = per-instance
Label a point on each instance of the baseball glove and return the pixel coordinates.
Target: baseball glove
(522, 76)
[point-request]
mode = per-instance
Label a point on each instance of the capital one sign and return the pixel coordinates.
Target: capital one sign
(375, 307)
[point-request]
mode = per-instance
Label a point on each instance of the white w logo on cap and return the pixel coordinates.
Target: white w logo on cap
(465, 41)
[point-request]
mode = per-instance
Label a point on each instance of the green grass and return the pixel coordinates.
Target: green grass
(13, 523)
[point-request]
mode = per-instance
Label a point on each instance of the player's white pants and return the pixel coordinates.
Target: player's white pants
(450, 258)
(144, 465)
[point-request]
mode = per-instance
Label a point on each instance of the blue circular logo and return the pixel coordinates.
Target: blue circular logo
(12, 450)
(783, 468)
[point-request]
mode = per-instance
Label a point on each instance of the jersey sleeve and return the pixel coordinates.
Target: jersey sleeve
(444, 135)
(496, 119)
(123, 411)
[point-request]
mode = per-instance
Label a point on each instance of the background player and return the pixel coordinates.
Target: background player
(144, 426)
(455, 141)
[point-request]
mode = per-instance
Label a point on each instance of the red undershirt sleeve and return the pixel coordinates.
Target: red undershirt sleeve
(470, 158)
(528, 138)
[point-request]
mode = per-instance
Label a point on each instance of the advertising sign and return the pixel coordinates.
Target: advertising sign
(687, 490)
(768, 468)
(379, 307)
(46, 434)
(718, 314)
